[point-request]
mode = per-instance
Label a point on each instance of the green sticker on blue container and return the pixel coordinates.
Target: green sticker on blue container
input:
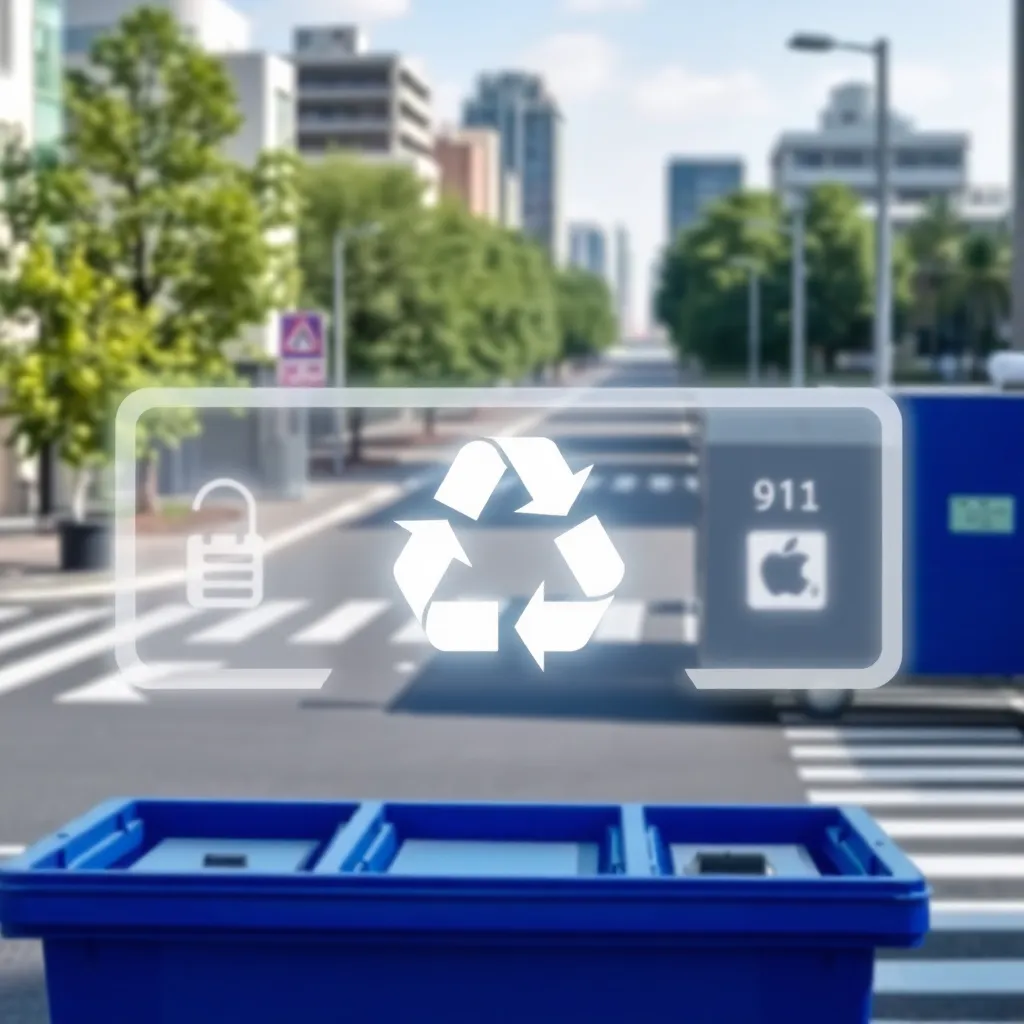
(982, 513)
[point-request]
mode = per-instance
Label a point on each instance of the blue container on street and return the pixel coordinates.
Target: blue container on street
(208, 912)
(964, 543)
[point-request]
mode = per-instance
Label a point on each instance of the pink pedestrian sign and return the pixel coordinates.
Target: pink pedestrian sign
(302, 356)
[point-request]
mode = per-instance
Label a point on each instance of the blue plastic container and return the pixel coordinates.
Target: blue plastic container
(261, 913)
(964, 580)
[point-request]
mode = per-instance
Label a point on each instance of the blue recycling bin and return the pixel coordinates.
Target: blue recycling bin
(964, 543)
(195, 912)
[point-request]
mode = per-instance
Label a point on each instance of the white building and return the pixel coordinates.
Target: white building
(264, 85)
(979, 208)
(213, 24)
(842, 149)
(373, 104)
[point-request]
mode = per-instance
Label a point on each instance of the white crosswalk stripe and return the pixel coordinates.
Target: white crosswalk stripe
(246, 625)
(660, 484)
(343, 622)
(623, 623)
(947, 796)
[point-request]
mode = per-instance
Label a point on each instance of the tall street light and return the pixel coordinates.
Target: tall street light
(880, 51)
(342, 236)
(753, 270)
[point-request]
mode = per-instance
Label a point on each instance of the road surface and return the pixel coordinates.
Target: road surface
(397, 719)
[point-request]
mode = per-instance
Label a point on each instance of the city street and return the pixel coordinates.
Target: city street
(942, 768)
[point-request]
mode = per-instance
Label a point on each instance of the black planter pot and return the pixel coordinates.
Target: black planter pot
(84, 546)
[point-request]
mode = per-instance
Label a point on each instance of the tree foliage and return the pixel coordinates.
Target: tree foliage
(145, 193)
(586, 314)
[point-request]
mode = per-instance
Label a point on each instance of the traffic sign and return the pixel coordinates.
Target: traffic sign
(302, 356)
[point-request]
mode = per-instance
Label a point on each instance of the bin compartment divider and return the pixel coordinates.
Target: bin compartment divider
(107, 852)
(381, 851)
(639, 860)
(350, 842)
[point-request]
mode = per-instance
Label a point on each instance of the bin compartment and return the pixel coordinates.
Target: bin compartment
(451, 913)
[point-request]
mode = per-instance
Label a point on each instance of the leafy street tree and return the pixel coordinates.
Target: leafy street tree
(83, 347)
(144, 187)
(586, 314)
(984, 273)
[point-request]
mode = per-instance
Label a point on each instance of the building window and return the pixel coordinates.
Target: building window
(849, 158)
(808, 158)
(284, 119)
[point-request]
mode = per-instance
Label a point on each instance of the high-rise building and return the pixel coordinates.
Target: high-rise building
(519, 107)
(31, 111)
(696, 182)
(622, 280)
(373, 104)
(469, 162)
(588, 249)
(925, 164)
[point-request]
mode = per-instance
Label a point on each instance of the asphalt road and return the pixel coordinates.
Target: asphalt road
(611, 722)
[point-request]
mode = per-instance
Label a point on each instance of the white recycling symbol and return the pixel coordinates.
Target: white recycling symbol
(545, 626)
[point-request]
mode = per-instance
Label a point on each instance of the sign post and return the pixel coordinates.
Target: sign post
(302, 354)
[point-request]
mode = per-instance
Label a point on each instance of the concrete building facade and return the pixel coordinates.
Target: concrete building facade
(842, 149)
(469, 164)
(588, 249)
(527, 118)
(353, 100)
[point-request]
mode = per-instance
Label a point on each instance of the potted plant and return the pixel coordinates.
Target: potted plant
(84, 349)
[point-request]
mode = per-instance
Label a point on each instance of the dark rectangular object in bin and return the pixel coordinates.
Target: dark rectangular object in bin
(206, 912)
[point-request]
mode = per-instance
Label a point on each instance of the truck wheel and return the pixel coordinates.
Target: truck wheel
(826, 703)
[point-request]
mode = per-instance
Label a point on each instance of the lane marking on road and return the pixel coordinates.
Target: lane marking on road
(342, 623)
(246, 625)
(919, 977)
(919, 797)
(29, 670)
(624, 483)
(977, 915)
(623, 623)
(897, 734)
(119, 687)
(953, 828)
(52, 625)
(969, 865)
(934, 752)
(911, 773)
(10, 613)
(661, 483)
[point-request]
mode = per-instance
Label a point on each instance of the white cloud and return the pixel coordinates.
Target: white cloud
(575, 65)
(676, 94)
(603, 6)
(329, 11)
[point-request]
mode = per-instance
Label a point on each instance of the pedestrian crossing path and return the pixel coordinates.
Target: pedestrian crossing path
(38, 644)
(626, 483)
(952, 796)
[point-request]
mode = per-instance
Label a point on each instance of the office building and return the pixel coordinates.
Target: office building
(622, 280)
(469, 164)
(31, 113)
(353, 100)
(213, 24)
(842, 149)
(696, 182)
(588, 249)
(518, 106)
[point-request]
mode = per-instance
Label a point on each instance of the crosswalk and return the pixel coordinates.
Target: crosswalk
(953, 798)
(37, 644)
(628, 483)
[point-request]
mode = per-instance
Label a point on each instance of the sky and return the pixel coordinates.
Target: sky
(642, 80)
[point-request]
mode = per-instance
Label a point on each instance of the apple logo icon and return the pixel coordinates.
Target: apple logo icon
(783, 571)
(786, 570)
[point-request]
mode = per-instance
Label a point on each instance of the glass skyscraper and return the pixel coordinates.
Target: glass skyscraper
(588, 249)
(526, 117)
(694, 183)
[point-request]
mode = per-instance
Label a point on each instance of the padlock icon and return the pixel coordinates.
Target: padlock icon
(225, 570)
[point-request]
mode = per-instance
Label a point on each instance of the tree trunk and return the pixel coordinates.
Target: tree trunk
(80, 495)
(147, 486)
(355, 435)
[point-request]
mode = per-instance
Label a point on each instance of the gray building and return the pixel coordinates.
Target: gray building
(696, 182)
(373, 104)
(588, 249)
(622, 280)
(519, 107)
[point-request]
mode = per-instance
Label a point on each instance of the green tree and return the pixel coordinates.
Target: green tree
(984, 285)
(586, 314)
(144, 185)
(84, 346)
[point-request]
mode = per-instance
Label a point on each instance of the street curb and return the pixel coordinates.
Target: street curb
(379, 497)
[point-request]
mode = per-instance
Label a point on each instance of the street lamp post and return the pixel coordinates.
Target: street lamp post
(880, 51)
(753, 318)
